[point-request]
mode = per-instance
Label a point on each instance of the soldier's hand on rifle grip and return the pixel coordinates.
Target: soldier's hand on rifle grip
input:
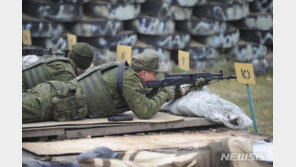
(198, 85)
(179, 92)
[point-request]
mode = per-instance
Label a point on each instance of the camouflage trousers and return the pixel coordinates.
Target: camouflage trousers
(210, 156)
(53, 100)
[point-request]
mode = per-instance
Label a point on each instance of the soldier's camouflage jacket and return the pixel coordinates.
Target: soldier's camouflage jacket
(54, 68)
(91, 95)
(133, 94)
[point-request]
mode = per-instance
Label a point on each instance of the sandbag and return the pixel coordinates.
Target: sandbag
(29, 59)
(203, 103)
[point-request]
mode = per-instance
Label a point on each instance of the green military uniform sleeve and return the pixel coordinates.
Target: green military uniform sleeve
(135, 97)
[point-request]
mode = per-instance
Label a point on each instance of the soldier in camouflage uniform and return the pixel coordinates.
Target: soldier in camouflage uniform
(96, 93)
(58, 68)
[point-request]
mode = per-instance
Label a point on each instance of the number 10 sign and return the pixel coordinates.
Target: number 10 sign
(245, 75)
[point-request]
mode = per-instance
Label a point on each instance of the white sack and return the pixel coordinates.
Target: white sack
(29, 59)
(203, 103)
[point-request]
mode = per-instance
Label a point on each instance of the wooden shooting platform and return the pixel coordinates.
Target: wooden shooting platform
(171, 142)
(102, 127)
(195, 139)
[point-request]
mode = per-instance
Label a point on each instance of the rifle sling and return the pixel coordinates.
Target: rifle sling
(120, 77)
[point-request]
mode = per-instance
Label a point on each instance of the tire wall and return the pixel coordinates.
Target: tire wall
(213, 31)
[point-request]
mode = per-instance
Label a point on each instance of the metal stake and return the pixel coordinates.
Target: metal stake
(252, 108)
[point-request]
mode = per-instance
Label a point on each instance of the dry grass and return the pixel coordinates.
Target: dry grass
(262, 94)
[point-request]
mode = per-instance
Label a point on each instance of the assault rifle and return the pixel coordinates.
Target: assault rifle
(181, 79)
(40, 52)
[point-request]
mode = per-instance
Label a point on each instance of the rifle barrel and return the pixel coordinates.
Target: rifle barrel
(39, 52)
(185, 79)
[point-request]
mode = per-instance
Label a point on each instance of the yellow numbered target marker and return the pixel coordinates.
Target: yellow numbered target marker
(27, 37)
(124, 53)
(183, 60)
(72, 40)
(245, 73)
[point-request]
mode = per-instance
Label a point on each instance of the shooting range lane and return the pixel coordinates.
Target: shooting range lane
(124, 143)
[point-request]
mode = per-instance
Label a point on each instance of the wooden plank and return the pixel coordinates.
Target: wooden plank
(28, 156)
(78, 131)
(188, 122)
(133, 142)
(158, 118)
(74, 126)
(43, 133)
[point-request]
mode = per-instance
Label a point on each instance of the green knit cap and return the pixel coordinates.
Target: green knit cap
(145, 61)
(82, 54)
